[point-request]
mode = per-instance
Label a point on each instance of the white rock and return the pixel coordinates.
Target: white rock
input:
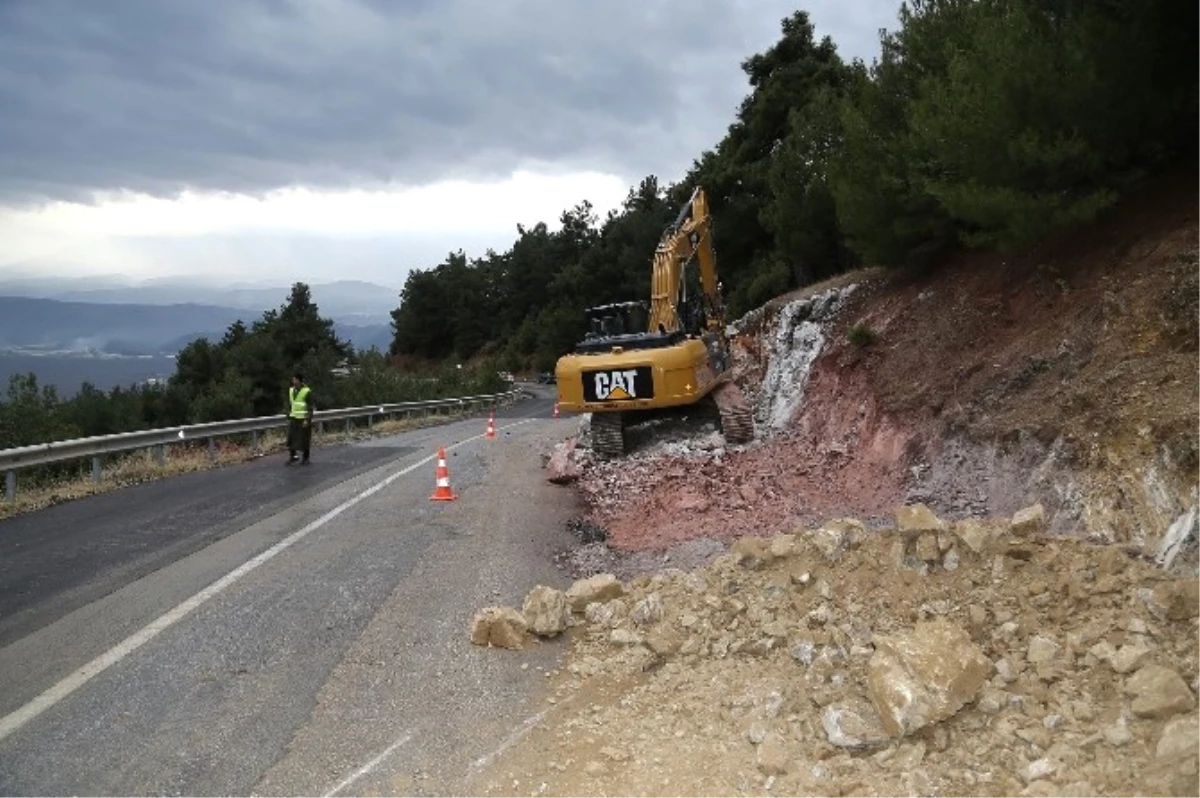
(648, 611)
(1037, 770)
(853, 724)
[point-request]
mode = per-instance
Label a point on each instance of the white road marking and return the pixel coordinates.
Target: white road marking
(367, 768)
(512, 738)
(69, 684)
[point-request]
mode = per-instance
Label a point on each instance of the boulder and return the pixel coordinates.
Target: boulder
(925, 676)
(1030, 521)
(1180, 738)
(546, 611)
(1158, 692)
(499, 627)
(836, 537)
(562, 467)
(974, 533)
(917, 519)
(599, 588)
(1177, 600)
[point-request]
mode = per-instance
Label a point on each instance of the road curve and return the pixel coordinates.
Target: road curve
(327, 649)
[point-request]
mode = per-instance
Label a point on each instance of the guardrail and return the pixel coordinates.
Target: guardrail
(12, 460)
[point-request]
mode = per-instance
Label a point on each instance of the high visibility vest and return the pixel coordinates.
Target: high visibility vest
(299, 405)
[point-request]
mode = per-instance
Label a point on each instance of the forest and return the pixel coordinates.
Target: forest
(981, 124)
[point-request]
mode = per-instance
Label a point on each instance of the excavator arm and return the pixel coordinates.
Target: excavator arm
(690, 236)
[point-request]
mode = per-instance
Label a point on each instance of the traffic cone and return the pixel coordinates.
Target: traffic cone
(442, 493)
(556, 409)
(491, 428)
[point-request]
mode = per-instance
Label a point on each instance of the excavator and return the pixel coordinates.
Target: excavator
(640, 359)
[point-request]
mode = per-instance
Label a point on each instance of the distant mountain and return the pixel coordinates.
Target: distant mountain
(48, 325)
(351, 301)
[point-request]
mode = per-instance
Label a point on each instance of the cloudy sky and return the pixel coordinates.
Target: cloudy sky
(272, 140)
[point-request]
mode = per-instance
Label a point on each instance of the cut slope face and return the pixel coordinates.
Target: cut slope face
(796, 341)
(1066, 375)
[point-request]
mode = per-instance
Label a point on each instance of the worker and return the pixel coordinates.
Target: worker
(300, 414)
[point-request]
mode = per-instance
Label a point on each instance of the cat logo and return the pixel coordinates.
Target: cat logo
(616, 385)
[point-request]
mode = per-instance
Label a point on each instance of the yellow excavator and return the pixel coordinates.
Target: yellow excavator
(637, 360)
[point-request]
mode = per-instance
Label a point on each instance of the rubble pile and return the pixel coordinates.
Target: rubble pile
(654, 502)
(974, 657)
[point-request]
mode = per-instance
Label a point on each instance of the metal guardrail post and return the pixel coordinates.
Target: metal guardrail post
(211, 446)
(160, 454)
(10, 486)
(97, 468)
(254, 442)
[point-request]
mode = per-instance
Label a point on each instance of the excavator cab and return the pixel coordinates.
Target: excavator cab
(622, 325)
(619, 318)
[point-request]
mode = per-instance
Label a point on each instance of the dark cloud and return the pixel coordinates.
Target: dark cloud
(250, 95)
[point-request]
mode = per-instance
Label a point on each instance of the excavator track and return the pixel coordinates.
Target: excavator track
(608, 434)
(737, 421)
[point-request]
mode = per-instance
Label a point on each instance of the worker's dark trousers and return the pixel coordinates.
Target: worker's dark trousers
(299, 437)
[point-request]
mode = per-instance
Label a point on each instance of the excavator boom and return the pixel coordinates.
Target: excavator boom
(690, 236)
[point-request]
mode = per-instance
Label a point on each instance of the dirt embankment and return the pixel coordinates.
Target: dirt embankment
(1065, 375)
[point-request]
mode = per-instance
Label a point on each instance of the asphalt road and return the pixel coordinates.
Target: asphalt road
(265, 630)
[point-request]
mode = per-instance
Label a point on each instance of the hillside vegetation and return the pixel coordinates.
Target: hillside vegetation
(982, 124)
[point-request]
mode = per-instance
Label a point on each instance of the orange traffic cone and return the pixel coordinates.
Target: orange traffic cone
(442, 493)
(491, 428)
